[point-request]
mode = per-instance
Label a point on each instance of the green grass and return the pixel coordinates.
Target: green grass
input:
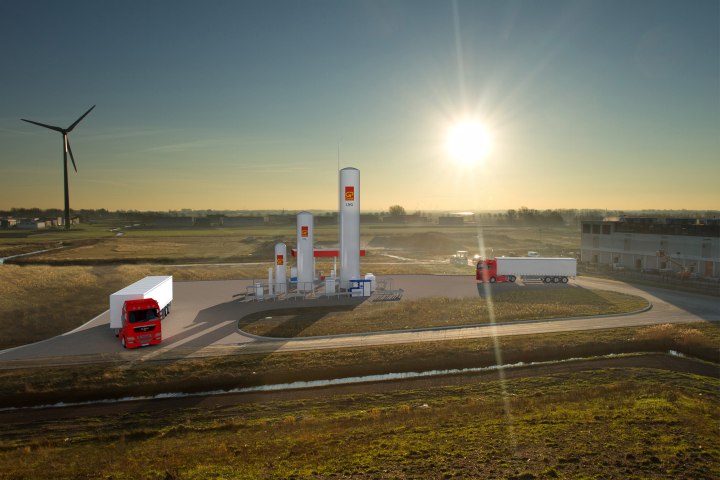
(630, 423)
(442, 312)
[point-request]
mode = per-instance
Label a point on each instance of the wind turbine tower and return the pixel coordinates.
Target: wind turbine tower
(66, 149)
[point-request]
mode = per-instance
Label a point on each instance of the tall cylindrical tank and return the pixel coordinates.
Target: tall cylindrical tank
(305, 260)
(349, 223)
(280, 267)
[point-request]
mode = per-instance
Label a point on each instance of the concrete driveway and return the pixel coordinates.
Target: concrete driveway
(205, 313)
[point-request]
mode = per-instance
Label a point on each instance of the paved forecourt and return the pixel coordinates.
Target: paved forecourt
(204, 318)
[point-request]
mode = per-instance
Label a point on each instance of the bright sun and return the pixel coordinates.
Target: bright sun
(467, 142)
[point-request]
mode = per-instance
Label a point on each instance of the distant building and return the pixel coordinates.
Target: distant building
(52, 221)
(416, 219)
(412, 219)
(243, 221)
(281, 219)
(451, 220)
(651, 244)
(163, 221)
(366, 218)
(325, 220)
(30, 224)
(395, 219)
(8, 222)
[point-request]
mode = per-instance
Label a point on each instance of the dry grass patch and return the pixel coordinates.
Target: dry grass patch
(677, 334)
(167, 249)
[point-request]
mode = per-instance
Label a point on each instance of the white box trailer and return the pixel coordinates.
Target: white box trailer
(159, 288)
(549, 269)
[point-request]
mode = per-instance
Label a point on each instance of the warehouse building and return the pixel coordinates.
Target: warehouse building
(682, 245)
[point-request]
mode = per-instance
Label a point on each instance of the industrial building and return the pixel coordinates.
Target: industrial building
(451, 220)
(682, 245)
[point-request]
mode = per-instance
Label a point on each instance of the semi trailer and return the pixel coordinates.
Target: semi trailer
(136, 311)
(509, 269)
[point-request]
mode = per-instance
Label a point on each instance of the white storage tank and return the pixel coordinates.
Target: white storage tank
(280, 267)
(349, 225)
(305, 259)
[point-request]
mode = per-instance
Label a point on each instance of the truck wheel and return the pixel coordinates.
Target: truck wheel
(556, 280)
(547, 280)
(492, 279)
(511, 278)
(564, 279)
(122, 340)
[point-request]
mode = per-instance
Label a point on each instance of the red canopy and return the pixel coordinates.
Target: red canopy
(325, 252)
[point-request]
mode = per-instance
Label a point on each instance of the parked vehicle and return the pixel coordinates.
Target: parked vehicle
(136, 311)
(460, 258)
(509, 269)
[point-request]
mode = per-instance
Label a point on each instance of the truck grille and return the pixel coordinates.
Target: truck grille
(145, 328)
(144, 337)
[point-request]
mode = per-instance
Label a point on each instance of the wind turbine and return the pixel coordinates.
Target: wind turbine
(66, 149)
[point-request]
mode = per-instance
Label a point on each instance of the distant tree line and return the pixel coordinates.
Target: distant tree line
(529, 216)
(521, 216)
(532, 217)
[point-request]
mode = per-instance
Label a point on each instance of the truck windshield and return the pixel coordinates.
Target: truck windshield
(138, 316)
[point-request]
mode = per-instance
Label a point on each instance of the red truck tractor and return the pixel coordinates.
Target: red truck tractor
(137, 311)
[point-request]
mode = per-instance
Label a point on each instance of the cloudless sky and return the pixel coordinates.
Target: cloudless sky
(242, 105)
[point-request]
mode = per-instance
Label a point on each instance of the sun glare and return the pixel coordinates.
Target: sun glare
(467, 142)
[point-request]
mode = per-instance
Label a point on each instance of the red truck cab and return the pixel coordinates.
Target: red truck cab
(487, 272)
(141, 323)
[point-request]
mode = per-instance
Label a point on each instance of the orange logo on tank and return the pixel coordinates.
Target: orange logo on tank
(304, 232)
(280, 260)
(350, 194)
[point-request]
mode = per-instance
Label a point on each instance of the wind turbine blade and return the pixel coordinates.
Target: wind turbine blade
(70, 128)
(72, 157)
(57, 129)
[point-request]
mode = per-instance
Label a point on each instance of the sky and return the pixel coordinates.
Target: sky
(611, 104)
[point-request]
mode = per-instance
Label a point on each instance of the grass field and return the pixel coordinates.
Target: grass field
(442, 312)
(96, 245)
(611, 423)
